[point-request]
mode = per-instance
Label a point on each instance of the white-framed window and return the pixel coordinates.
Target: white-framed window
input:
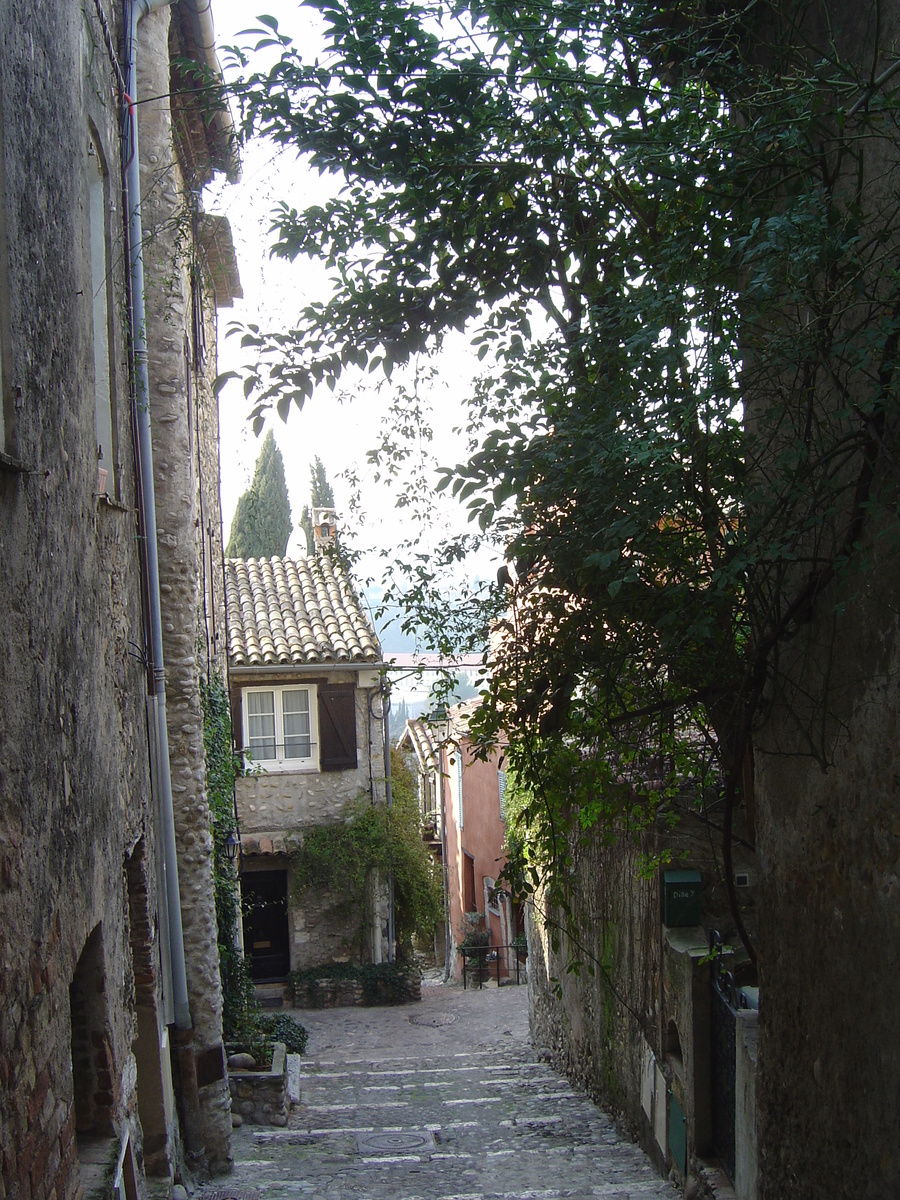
(281, 728)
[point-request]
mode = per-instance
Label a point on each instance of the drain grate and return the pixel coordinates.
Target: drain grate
(412, 1141)
(435, 1021)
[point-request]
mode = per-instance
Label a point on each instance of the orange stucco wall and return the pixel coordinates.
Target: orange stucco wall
(480, 836)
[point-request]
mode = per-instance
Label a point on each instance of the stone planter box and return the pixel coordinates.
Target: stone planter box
(261, 1097)
(329, 993)
(347, 993)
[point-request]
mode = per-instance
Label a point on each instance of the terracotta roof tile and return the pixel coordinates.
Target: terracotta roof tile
(423, 743)
(284, 612)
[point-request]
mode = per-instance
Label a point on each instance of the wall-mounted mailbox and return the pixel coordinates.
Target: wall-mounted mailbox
(681, 898)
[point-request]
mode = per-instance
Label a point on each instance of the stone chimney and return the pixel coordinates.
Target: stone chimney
(324, 529)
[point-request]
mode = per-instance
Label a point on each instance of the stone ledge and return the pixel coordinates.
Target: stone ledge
(709, 1182)
(293, 1078)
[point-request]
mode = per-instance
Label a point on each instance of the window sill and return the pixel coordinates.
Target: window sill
(258, 768)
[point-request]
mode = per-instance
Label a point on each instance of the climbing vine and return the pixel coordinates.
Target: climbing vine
(375, 843)
(240, 1010)
(244, 1024)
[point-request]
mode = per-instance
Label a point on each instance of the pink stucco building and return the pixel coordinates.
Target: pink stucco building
(462, 801)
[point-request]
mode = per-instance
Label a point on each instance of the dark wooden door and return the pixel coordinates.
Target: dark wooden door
(264, 897)
(469, 902)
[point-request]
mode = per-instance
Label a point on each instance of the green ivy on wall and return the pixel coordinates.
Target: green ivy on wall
(375, 841)
(244, 1024)
(240, 1009)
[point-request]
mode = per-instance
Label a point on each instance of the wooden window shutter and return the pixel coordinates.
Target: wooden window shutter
(337, 729)
(237, 718)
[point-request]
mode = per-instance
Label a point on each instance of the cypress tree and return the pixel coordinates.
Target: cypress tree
(262, 520)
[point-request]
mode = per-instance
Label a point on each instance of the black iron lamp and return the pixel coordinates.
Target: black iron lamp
(438, 722)
(232, 846)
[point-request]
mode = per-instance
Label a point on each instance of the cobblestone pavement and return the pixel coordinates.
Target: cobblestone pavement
(443, 1100)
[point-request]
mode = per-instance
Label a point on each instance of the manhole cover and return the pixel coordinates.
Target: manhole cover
(435, 1021)
(396, 1142)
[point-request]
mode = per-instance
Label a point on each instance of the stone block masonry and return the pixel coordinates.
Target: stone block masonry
(74, 768)
(83, 1038)
(291, 801)
(261, 1097)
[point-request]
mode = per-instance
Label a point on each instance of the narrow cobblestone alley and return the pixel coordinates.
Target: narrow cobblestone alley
(443, 1100)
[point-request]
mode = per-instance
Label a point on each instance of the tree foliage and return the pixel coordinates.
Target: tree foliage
(262, 520)
(670, 232)
(321, 495)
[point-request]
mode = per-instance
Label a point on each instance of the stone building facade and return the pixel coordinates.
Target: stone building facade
(92, 1083)
(827, 752)
(298, 639)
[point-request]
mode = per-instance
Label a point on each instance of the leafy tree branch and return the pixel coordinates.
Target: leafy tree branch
(671, 237)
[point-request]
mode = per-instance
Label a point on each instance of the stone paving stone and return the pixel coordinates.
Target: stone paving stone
(504, 1125)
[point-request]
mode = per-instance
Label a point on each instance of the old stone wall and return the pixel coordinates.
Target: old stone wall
(261, 1097)
(632, 1023)
(74, 778)
(206, 456)
(829, 839)
(175, 314)
(827, 755)
(593, 1023)
(320, 931)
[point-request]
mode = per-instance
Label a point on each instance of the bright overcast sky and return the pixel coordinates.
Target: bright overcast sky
(340, 434)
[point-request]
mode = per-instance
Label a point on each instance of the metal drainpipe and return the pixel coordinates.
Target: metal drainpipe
(136, 12)
(184, 1032)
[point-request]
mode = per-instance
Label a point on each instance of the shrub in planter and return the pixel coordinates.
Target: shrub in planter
(260, 1033)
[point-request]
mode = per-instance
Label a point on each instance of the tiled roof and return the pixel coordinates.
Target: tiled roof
(283, 612)
(419, 735)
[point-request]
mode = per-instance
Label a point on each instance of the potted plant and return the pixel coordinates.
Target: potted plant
(475, 937)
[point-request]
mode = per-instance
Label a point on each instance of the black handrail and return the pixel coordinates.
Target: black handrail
(485, 956)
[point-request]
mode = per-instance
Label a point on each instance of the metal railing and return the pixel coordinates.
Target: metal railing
(480, 962)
